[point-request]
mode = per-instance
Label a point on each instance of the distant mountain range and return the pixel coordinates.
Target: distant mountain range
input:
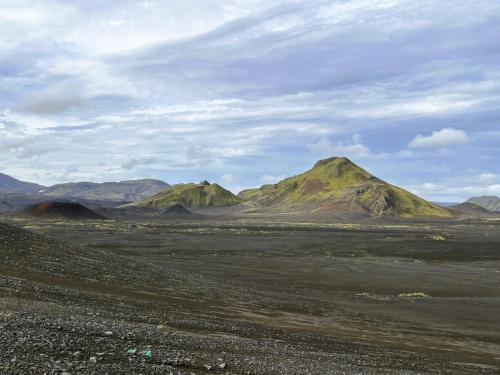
(113, 191)
(10, 184)
(337, 185)
(333, 186)
(16, 194)
(491, 203)
(472, 209)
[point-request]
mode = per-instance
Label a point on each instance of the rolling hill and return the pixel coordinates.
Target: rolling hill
(191, 195)
(337, 185)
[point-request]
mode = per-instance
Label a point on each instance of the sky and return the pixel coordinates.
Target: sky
(247, 92)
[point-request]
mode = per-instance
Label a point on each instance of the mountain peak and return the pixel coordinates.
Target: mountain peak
(339, 168)
(334, 160)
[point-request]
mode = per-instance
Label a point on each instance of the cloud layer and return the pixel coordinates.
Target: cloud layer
(241, 92)
(440, 139)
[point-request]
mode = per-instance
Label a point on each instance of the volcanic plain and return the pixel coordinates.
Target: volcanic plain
(249, 294)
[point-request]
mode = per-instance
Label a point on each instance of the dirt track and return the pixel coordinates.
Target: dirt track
(250, 296)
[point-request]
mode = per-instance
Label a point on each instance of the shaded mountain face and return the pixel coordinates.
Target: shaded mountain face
(61, 210)
(123, 191)
(200, 195)
(491, 203)
(337, 185)
(10, 184)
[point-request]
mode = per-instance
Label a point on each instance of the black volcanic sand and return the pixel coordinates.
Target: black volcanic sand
(249, 296)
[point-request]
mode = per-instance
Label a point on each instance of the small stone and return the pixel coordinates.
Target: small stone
(222, 366)
(108, 333)
(93, 359)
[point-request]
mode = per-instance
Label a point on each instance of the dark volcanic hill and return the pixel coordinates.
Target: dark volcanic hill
(491, 203)
(10, 184)
(337, 185)
(177, 209)
(200, 195)
(123, 191)
(61, 210)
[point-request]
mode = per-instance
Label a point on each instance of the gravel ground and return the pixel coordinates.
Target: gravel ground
(71, 308)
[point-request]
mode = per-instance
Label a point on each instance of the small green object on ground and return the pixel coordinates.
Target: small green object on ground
(414, 294)
(438, 238)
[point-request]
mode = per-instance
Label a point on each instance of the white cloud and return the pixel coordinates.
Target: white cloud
(136, 162)
(228, 179)
(429, 186)
(453, 191)
(488, 177)
(268, 179)
(353, 148)
(440, 139)
(211, 85)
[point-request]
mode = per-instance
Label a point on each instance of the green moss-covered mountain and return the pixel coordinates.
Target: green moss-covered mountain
(199, 195)
(338, 185)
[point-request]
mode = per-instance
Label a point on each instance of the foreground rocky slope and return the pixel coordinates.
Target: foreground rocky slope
(208, 297)
(338, 185)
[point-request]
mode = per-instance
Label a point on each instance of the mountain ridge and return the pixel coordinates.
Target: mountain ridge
(12, 191)
(9, 184)
(128, 190)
